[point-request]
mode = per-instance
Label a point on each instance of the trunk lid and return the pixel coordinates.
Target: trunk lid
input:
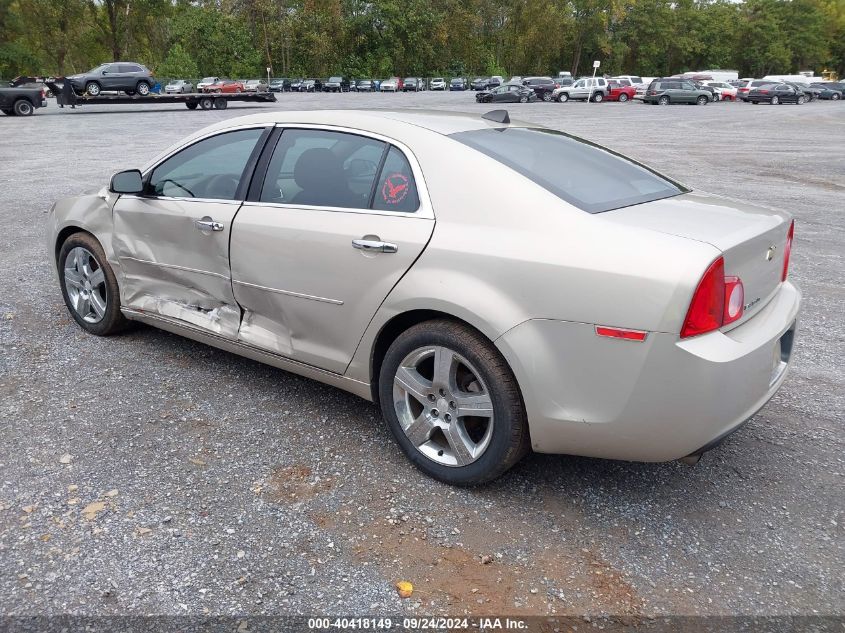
(752, 238)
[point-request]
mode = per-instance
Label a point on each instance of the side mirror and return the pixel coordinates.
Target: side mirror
(128, 181)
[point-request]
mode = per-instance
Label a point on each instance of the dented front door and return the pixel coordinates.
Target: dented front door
(172, 243)
(174, 259)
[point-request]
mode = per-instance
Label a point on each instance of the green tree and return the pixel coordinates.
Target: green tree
(178, 64)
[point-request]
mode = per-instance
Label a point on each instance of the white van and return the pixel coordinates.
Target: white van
(799, 78)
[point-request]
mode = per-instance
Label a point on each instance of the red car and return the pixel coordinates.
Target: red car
(619, 91)
(226, 85)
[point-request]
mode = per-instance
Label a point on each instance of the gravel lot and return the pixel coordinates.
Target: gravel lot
(148, 474)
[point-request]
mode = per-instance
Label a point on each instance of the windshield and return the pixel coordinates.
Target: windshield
(457, 81)
(207, 80)
(335, 79)
(589, 177)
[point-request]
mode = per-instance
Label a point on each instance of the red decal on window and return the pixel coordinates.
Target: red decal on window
(395, 188)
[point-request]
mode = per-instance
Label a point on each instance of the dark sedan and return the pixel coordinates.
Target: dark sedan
(458, 83)
(830, 91)
(281, 84)
(543, 87)
(509, 93)
(365, 85)
(480, 83)
(775, 94)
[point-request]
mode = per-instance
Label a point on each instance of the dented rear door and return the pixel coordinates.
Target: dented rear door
(173, 242)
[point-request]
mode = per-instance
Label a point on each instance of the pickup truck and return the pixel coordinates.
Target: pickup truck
(21, 101)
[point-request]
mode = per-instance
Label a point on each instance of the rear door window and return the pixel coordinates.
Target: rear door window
(587, 176)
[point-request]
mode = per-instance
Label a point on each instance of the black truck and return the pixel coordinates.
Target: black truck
(21, 101)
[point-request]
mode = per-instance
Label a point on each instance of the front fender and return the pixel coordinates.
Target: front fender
(89, 212)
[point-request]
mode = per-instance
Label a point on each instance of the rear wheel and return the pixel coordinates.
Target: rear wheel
(206, 103)
(220, 103)
(801, 100)
(23, 107)
(452, 403)
(547, 96)
(191, 105)
(523, 99)
(598, 97)
(92, 88)
(623, 97)
(775, 100)
(835, 96)
(89, 286)
(664, 100)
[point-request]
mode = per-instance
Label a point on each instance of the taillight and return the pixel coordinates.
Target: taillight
(787, 250)
(717, 301)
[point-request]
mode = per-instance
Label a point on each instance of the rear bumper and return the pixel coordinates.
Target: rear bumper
(658, 400)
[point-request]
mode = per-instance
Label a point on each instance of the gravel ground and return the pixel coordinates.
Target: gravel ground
(147, 474)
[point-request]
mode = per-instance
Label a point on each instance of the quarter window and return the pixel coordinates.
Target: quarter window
(396, 189)
(211, 168)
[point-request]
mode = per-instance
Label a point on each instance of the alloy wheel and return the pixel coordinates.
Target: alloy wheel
(85, 283)
(93, 89)
(443, 405)
(143, 89)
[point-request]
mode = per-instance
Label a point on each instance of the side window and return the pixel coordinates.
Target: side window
(322, 168)
(113, 68)
(125, 68)
(211, 168)
(396, 189)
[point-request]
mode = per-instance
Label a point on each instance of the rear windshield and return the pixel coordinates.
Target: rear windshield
(590, 177)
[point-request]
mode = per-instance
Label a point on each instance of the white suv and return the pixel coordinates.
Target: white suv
(592, 88)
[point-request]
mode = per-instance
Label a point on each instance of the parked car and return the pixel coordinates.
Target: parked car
(479, 83)
(809, 91)
(311, 85)
(297, 84)
(715, 94)
(230, 86)
(256, 85)
(336, 84)
(542, 86)
(620, 90)
(618, 315)
(509, 93)
(412, 84)
(516, 79)
(437, 83)
(592, 88)
(458, 83)
(390, 85)
(21, 100)
(495, 81)
(364, 85)
(829, 91)
(206, 82)
(178, 86)
(749, 84)
(280, 84)
(672, 91)
(129, 77)
(776, 93)
(724, 90)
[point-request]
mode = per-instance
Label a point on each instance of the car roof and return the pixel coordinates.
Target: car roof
(390, 123)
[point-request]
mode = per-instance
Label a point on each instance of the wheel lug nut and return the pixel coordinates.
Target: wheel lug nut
(452, 404)
(447, 417)
(431, 397)
(435, 413)
(442, 392)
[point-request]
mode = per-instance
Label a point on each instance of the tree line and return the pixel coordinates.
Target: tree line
(381, 38)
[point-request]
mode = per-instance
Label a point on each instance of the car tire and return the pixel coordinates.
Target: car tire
(23, 107)
(598, 97)
(801, 100)
(835, 96)
(623, 97)
(547, 97)
(523, 99)
(89, 286)
(702, 100)
(563, 97)
(774, 100)
(457, 449)
(663, 100)
(93, 89)
(143, 89)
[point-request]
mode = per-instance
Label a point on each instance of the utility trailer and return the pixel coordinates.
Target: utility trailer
(66, 95)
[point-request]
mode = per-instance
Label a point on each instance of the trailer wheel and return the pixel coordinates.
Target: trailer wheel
(191, 105)
(220, 103)
(206, 103)
(24, 108)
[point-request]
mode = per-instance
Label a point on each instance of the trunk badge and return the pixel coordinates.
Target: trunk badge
(770, 253)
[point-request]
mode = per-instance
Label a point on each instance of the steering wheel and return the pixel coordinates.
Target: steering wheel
(221, 186)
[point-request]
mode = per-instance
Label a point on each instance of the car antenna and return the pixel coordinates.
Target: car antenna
(499, 116)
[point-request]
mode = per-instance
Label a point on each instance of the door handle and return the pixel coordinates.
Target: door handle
(374, 246)
(209, 225)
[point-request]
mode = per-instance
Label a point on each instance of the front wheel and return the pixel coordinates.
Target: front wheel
(143, 88)
(92, 88)
(452, 403)
(775, 100)
(801, 100)
(563, 97)
(547, 96)
(89, 286)
(523, 99)
(836, 96)
(702, 100)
